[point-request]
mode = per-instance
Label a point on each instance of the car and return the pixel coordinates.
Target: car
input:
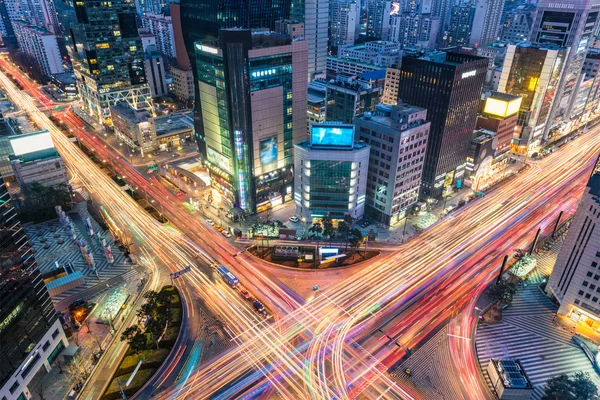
(180, 194)
(210, 222)
(226, 233)
(245, 294)
(258, 306)
(294, 219)
(219, 228)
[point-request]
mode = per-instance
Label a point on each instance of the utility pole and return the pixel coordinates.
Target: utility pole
(557, 223)
(537, 235)
(502, 269)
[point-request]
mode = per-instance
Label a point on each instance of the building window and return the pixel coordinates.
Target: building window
(580, 293)
(14, 387)
(587, 296)
(55, 334)
(576, 302)
(46, 345)
(30, 365)
(590, 273)
(585, 283)
(596, 277)
(595, 299)
(594, 264)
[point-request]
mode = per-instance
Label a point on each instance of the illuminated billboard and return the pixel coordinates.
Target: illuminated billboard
(332, 135)
(268, 151)
(25, 144)
(502, 108)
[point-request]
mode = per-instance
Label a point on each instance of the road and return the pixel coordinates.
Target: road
(313, 350)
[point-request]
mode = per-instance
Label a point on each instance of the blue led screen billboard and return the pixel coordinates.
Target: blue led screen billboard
(332, 135)
(268, 151)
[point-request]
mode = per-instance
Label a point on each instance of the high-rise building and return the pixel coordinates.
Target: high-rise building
(413, 29)
(461, 23)
(398, 137)
(391, 85)
(251, 116)
(6, 30)
(154, 66)
(349, 99)
(486, 22)
(382, 53)
(518, 28)
(331, 172)
(344, 20)
(499, 116)
(40, 45)
(532, 72)
(315, 16)
(183, 61)
(572, 25)
(107, 56)
(575, 280)
(31, 336)
(378, 18)
(449, 86)
(162, 28)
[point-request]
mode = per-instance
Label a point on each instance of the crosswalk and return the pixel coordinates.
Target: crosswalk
(527, 332)
(51, 244)
(432, 369)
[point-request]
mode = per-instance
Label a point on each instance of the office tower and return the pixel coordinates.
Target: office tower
(315, 16)
(40, 45)
(31, 336)
(518, 27)
(107, 56)
(486, 22)
(572, 25)
(461, 23)
(449, 86)
(398, 137)
(414, 29)
(154, 66)
(532, 72)
(347, 99)
(162, 28)
(378, 18)
(251, 116)
(330, 173)
(344, 20)
(575, 280)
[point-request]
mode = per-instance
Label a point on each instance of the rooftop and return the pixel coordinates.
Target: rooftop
(65, 77)
(503, 96)
(36, 29)
(373, 75)
(357, 146)
(173, 123)
(126, 111)
(512, 373)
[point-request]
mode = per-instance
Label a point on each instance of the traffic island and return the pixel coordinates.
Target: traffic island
(304, 256)
(150, 342)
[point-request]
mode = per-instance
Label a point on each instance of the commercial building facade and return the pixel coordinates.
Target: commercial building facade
(572, 25)
(449, 86)
(330, 173)
(575, 280)
(111, 69)
(532, 72)
(40, 45)
(253, 107)
(135, 127)
(31, 333)
(500, 114)
(397, 136)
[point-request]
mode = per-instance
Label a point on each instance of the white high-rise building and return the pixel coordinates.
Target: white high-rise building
(378, 18)
(315, 16)
(344, 19)
(39, 44)
(162, 28)
(575, 280)
(486, 24)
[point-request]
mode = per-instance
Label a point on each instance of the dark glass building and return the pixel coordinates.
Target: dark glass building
(202, 19)
(449, 86)
(27, 317)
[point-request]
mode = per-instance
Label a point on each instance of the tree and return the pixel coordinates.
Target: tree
(128, 334)
(328, 229)
(138, 343)
(76, 370)
(156, 327)
(355, 238)
(503, 291)
(316, 229)
(344, 229)
(563, 387)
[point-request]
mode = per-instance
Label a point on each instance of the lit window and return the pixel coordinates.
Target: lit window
(103, 45)
(132, 48)
(117, 33)
(110, 67)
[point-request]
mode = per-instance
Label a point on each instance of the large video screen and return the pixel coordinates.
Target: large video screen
(332, 135)
(268, 151)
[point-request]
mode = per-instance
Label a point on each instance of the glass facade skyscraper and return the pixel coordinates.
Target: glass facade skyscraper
(107, 55)
(449, 86)
(252, 105)
(27, 315)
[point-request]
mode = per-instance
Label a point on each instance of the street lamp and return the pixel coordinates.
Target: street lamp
(406, 219)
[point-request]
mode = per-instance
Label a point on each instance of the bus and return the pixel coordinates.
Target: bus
(227, 276)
